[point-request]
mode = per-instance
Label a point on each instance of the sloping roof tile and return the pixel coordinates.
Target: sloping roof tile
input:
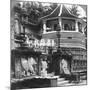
(61, 11)
(66, 13)
(54, 13)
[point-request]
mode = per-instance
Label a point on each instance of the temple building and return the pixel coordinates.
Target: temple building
(60, 29)
(72, 37)
(50, 52)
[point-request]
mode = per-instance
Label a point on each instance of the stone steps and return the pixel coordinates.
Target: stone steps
(84, 77)
(83, 82)
(67, 84)
(62, 81)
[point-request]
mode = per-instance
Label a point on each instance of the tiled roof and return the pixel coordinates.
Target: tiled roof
(61, 11)
(54, 13)
(66, 12)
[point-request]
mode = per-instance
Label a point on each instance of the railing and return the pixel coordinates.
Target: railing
(48, 30)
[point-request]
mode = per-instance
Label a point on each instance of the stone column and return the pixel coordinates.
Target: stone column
(60, 23)
(22, 29)
(76, 25)
(44, 27)
(17, 24)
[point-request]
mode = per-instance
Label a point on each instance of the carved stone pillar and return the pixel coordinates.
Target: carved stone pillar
(76, 25)
(44, 27)
(60, 23)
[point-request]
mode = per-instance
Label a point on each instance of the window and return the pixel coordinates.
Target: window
(80, 27)
(68, 24)
(55, 26)
(52, 24)
(49, 26)
(66, 27)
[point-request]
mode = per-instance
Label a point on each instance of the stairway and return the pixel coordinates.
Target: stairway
(62, 82)
(83, 76)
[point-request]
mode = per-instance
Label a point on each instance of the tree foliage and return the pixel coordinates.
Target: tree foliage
(29, 14)
(74, 10)
(33, 10)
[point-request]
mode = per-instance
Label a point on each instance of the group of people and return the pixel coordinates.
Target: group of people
(30, 66)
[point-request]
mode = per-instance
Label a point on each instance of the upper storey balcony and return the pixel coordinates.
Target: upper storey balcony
(65, 19)
(72, 27)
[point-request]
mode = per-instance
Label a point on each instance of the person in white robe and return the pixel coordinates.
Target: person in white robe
(44, 68)
(31, 64)
(25, 66)
(64, 66)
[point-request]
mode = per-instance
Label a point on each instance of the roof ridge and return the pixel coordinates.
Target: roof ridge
(50, 13)
(60, 10)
